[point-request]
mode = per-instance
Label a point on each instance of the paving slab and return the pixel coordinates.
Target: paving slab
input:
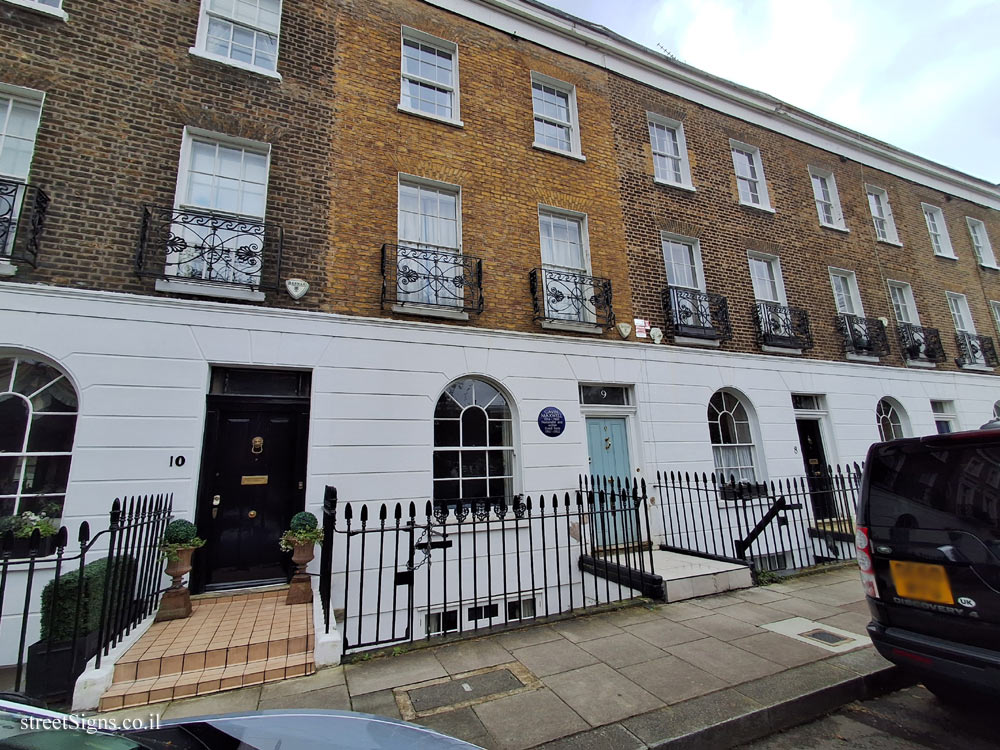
(723, 627)
(844, 592)
(335, 697)
(528, 719)
(554, 657)
(622, 650)
(673, 680)
(586, 629)
(852, 621)
(663, 633)
(380, 703)
(778, 688)
(793, 605)
(324, 678)
(610, 737)
(631, 615)
(732, 664)
(761, 595)
(530, 636)
(244, 699)
(718, 600)
(461, 723)
(781, 649)
(601, 695)
(390, 672)
(680, 611)
(755, 614)
(660, 727)
(465, 656)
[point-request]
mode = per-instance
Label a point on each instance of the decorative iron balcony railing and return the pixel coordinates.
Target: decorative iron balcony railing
(865, 336)
(190, 245)
(22, 220)
(568, 297)
(975, 350)
(430, 277)
(697, 314)
(781, 325)
(920, 344)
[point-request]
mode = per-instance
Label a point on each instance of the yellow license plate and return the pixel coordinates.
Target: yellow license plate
(923, 581)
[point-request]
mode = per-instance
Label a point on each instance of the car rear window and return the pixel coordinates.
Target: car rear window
(936, 486)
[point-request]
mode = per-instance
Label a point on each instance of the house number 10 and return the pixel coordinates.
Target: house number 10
(177, 461)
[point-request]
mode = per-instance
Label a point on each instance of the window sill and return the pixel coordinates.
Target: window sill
(894, 243)
(207, 289)
(7, 268)
(835, 228)
(429, 311)
(921, 363)
(945, 256)
(977, 368)
(678, 185)
(779, 349)
(862, 358)
(987, 265)
(428, 116)
(560, 152)
(758, 207)
(692, 341)
(234, 63)
(45, 10)
(568, 325)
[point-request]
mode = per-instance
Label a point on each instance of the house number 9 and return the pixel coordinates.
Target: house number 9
(177, 461)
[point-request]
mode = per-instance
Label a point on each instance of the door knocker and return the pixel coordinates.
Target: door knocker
(257, 445)
(607, 443)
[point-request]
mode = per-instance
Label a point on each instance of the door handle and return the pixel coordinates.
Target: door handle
(252, 514)
(216, 502)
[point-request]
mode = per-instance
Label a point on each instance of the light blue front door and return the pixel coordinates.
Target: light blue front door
(607, 445)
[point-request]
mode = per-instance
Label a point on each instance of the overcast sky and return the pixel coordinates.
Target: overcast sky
(923, 75)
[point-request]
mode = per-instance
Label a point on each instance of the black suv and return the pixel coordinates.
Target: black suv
(928, 544)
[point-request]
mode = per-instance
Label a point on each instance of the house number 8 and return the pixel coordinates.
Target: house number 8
(177, 461)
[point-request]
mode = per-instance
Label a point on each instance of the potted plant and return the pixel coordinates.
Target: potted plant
(300, 539)
(70, 623)
(180, 540)
(20, 528)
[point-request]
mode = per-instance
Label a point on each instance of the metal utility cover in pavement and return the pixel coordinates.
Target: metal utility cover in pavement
(825, 636)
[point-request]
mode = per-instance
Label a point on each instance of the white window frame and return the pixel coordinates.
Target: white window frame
(836, 213)
(33, 98)
(200, 48)
(936, 226)
(892, 236)
(40, 7)
(695, 245)
(411, 179)
(654, 120)
(961, 301)
(775, 262)
(944, 411)
(575, 151)
(995, 309)
(851, 281)
(981, 244)
(587, 323)
(408, 33)
(906, 290)
(764, 199)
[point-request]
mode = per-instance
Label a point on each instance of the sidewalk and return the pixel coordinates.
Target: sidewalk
(709, 672)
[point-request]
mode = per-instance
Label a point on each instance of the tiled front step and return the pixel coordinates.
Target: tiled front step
(200, 682)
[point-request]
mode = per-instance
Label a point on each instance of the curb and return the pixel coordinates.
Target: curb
(750, 711)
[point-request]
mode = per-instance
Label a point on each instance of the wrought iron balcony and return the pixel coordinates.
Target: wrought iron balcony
(568, 297)
(190, 245)
(865, 336)
(920, 344)
(697, 314)
(783, 326)
(22, 220)
(430, 277)
(975, 350)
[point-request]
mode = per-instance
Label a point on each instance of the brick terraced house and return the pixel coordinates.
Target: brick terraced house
(246, 238)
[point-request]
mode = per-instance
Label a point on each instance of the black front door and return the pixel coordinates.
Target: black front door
(253, 480)
(814, 461)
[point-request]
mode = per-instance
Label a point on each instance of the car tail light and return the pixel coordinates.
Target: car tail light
(864, 556)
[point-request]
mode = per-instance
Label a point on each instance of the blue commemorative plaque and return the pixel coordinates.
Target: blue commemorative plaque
(551, 421)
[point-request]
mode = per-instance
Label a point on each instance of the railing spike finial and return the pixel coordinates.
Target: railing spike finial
(83, 536)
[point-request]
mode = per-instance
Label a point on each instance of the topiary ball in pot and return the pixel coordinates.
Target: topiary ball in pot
(180, 532)
(303, 521)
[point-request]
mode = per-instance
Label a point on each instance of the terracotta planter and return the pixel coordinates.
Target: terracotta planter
(300, 589)
(176, 601)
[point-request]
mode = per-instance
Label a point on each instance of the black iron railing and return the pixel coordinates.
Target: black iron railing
(200, 246)
(782, 326)
(697, 314)
(431, 277)
(86, 609)
(975, 350)
(404, 574)
(23, 209)
(920, 344)
(784, 524)
(865, 336)
(569, 297)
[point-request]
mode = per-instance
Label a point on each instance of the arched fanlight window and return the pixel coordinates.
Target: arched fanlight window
(38, 407)
(732, 438)
(890, 426)
(473, 444)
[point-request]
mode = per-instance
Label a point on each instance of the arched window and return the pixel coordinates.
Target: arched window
(37, 422)
(732, 438)
(473, 444)
(890, 425)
